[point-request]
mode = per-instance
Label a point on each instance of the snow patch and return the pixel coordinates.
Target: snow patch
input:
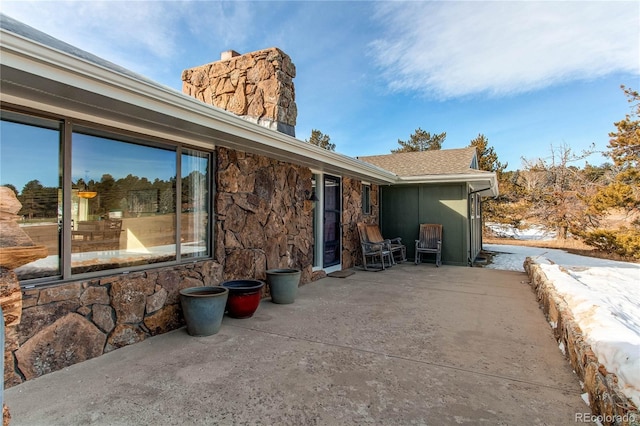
(532, 232)
(561, 347)
(604, 297)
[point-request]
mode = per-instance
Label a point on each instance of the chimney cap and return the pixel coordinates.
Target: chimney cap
(228, 54)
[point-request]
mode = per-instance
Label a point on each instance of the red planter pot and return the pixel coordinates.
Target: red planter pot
(244, 297)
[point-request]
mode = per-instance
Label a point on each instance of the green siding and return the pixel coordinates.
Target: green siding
(405, 207)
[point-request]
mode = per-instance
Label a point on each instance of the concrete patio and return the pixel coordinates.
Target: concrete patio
(410, 345)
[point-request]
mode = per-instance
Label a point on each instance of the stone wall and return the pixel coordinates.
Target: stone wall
(351, 215)
(264, 220)
(257, 86)
(605, 396)
(68, 323)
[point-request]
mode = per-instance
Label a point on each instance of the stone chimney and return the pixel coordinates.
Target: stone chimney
(257, 86)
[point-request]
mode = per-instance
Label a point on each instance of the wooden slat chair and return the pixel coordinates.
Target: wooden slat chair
(372, 252)
(430, 242)
(96, 235)
(398, 250)
(112, 228)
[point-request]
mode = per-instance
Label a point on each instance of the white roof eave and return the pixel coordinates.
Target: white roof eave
(486, 183)
(215, 126)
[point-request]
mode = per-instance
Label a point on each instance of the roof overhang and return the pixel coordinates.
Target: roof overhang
(483, 183)
(42, 78)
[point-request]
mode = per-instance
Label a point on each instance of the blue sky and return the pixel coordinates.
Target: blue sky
(528, 75)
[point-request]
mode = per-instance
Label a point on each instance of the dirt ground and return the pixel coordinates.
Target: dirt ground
(570, 245)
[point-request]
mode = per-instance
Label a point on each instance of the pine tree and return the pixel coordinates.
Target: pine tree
(421, 141)
(487, 157)
(623, 191)
(320, 139)
(625, 142)
(492, 209)
(624, 148)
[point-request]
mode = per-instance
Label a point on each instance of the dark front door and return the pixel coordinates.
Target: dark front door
(332, 214)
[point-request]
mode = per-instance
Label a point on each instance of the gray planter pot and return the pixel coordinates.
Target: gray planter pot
(203, 309)
(283, 285)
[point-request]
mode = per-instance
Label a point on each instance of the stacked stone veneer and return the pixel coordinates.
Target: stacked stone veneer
(351, 215)
(68, 323)
(605, 396)
(264, 219)
(257, 86)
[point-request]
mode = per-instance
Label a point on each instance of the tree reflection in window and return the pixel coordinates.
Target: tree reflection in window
(123, 200)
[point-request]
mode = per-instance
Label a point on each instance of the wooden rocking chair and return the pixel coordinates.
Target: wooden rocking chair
(398, 250)
(373, 251)
(430, 242)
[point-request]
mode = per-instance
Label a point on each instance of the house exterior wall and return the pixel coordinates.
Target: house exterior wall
(68, 323)
(405, 207)
(352, 213)
(263, 216)
(263, 221)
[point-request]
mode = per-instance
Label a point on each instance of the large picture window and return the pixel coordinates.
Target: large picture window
(30, 164)
(101, 201)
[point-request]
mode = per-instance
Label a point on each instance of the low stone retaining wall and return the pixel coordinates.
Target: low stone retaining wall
(68, 323)
(57, 326)
(608, 403)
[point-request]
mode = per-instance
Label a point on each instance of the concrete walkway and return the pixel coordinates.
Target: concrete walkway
(410, 345)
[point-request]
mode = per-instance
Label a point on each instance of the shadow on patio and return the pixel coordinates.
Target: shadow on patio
(410, 345)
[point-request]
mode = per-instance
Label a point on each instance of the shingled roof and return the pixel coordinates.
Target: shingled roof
(424, 163)
(441, 166)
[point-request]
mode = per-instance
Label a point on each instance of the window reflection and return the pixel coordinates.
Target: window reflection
(195, 206)
(30, 166)
(123, 201)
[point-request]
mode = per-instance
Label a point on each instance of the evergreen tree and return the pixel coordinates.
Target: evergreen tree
(421, 141)
(625, 142)
(492, 209)
(13, 188)
(623, 190)
(320, 139)
(624, 148)
(487, 157)
(32, 200)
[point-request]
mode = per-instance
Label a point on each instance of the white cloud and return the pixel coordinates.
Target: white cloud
(224, 23)
(119, 31)
(453, 49)
(138, 35)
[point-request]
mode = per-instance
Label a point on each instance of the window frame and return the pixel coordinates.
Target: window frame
(68, 126)
(366, 199)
